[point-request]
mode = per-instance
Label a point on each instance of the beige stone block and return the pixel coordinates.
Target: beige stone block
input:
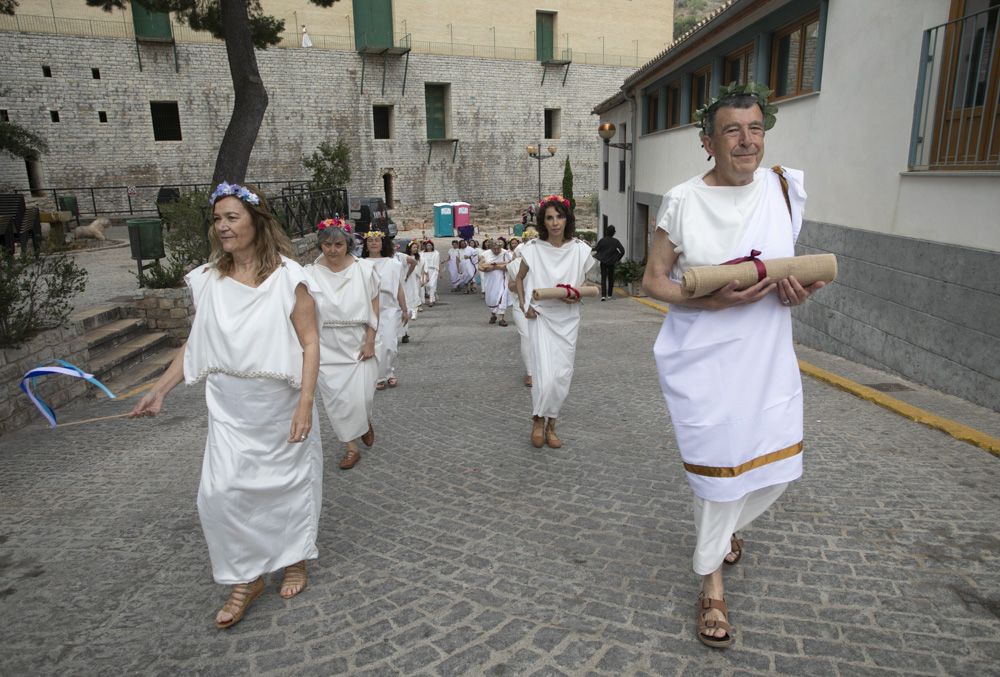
(165, 303)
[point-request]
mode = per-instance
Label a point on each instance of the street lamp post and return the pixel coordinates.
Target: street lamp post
(536, 153)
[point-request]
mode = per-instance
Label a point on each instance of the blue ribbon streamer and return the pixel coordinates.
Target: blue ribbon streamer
(67, 369)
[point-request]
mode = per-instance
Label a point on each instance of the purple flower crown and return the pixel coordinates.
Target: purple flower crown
(235, 190)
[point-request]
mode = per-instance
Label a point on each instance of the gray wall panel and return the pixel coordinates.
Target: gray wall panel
(927, 311)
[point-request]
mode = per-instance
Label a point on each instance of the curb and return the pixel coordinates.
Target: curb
(957, 430)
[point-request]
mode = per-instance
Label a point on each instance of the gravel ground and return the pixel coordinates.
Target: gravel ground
(111, 271)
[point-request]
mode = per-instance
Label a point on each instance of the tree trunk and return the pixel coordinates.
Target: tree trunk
(251, 97)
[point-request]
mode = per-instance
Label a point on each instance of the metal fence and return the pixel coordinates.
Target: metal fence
(957, 106)
(26, 23)
(94, 201)
(299, 210)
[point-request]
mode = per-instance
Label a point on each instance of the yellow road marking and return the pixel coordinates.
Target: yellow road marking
(957, 430)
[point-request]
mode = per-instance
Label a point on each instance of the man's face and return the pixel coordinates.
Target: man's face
(737, 144)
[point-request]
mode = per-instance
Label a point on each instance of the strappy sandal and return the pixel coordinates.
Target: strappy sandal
(551, 438)
(392, 382)
(239, 601)
(537, 432)
(295, 575)
(706, 604)
(735, 548)
(379, 385)
(350, 459)
(369, 437)
(527, 381)
(502, 322)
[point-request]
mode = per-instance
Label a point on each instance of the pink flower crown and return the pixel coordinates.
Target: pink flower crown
(335, 222)
(553, 198)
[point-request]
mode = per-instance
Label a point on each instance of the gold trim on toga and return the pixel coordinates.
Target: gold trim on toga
(752, 464)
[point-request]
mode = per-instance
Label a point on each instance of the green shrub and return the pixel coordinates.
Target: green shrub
(330, 166)
(185, 240)
(588, 236)
(35, 295)
(627, 272)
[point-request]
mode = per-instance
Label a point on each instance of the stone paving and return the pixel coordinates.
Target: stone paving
(456, 548)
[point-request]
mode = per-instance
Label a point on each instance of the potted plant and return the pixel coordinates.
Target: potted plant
(629, 275)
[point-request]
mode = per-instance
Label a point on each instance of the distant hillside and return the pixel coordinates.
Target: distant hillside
(689, 12)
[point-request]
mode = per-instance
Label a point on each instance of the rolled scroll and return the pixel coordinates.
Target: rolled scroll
(704, 280)
(565, 292)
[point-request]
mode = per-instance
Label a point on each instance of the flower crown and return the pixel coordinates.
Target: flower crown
(731, 91)
(335, 222)
(235, 190)
(553, 198)
(374, 233)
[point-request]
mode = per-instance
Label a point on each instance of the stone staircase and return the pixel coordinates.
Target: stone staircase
(123, 352)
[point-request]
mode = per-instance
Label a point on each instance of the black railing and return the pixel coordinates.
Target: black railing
(94, 201)
(299, 210)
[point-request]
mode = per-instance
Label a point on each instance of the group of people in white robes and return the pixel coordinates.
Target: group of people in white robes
(268, 333)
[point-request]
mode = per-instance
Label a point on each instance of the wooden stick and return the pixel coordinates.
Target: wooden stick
(92, 420)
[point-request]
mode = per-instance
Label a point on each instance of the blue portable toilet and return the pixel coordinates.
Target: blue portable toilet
(444, 220)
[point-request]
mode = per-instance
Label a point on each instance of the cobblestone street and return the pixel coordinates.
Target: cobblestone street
(456, 548)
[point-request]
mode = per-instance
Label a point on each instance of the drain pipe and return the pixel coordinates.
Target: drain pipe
(630, 195)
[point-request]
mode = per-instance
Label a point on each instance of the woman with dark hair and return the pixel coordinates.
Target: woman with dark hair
(493, 267)
(412, 284)
(393, 313)
(432, 265)
(609, 251)
(348, 311)
(467, 260)
(255, 344)
(556, 258)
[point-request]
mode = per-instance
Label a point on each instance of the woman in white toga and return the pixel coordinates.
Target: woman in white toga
(555, 258)
(255, 343)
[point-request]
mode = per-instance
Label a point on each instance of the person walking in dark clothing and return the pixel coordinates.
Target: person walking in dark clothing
(608, 252)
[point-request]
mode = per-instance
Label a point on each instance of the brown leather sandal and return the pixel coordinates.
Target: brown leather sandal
(239, 601)
(392, 382)
(537, 432)
(369, 437)
(735, 548)
(295, 575)
(706, 604)
(379, 385)
(551, 438)
(350, 459)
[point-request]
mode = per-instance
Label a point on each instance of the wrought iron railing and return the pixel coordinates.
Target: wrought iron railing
(94, 201)
(299, 209)
(956, 113)
(291, 39)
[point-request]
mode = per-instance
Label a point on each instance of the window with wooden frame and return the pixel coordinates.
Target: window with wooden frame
(701, 84)
(673, 104)
(793, 58)
(739, 66)
(652, 105)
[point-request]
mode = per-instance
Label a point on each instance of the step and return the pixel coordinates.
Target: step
(113, 361)
(91, 318)
(152, 365)
(113, 333)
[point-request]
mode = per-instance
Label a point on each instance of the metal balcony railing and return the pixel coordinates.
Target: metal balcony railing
(956, 114)
(25, 23)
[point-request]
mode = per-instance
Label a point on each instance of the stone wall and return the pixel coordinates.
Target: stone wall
(16, 410)
(496, 109)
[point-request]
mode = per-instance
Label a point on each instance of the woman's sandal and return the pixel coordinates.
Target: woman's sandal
(239, 601)
(379, 385)
(706, 604)
(502, 322)
(735, 548)
(295, 575)
(369, 437)
(392, 382)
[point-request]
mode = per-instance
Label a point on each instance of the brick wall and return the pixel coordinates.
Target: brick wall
(497, 109)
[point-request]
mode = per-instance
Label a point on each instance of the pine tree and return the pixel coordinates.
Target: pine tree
(567, 186)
